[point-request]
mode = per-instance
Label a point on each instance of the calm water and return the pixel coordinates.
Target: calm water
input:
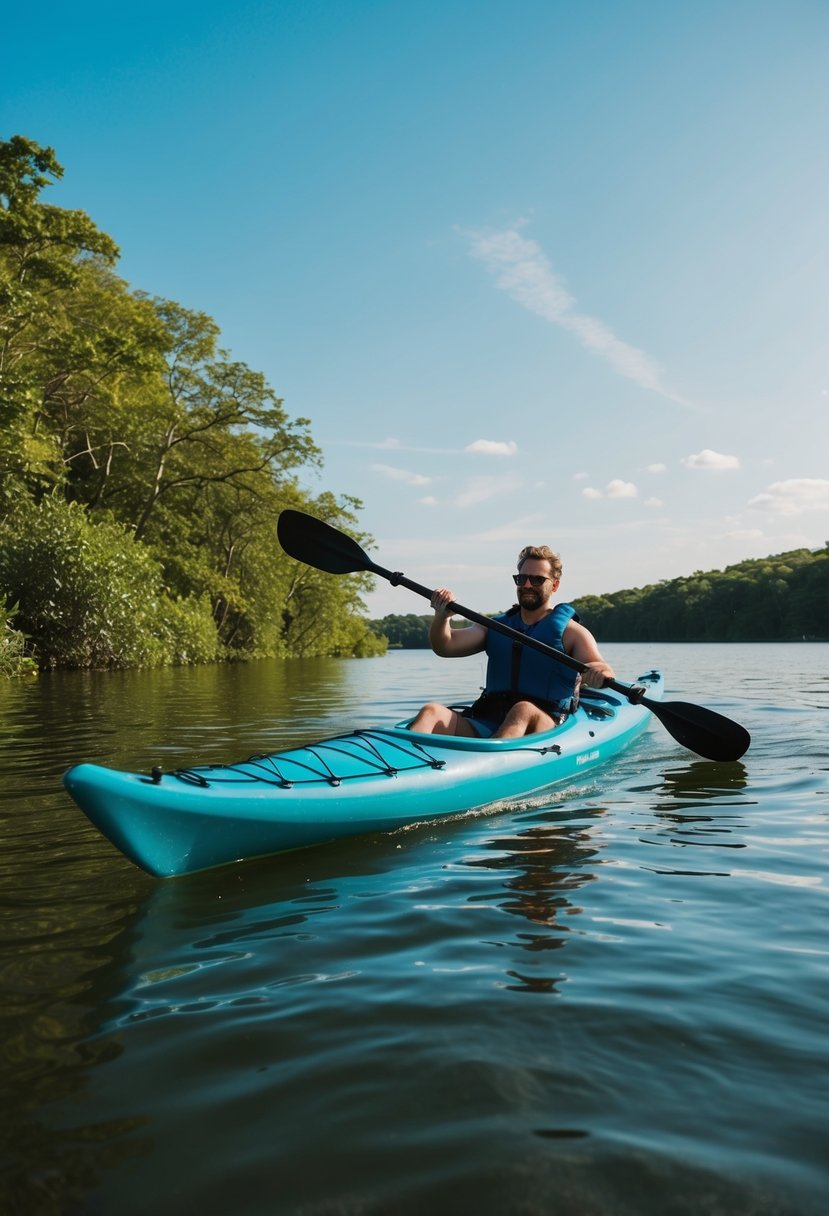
(614, 1000)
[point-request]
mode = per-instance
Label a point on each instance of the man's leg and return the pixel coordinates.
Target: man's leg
(524, 719)
(434, 719)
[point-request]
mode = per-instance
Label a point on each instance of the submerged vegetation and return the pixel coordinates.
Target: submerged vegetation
(142, 469)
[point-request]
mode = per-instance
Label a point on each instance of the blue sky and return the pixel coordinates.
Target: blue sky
(537, 272)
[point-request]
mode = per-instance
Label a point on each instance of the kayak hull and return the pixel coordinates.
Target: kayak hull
(375, 780)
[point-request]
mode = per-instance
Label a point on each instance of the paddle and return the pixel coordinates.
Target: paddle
(701, 730)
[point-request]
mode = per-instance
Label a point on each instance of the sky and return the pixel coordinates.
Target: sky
(536, 271)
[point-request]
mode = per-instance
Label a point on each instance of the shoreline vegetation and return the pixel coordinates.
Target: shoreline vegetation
(784, 598)
(142, 468)
(142, 471)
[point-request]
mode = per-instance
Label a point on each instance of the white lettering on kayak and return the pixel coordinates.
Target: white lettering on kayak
(588, 756)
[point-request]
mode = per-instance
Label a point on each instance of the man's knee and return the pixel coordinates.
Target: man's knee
(429, 717)
(524, 718)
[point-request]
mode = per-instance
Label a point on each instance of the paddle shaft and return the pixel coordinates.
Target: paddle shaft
(318, 544)
(525, 639)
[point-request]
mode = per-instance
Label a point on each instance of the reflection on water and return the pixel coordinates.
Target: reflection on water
(687, 811)
(541, 867)
(703, 780)
(611, 1000)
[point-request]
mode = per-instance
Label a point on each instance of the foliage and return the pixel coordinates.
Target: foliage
(779, 598)
(408, 632)
(323, 612)
(14, 659)
(176, 458)
(91, 597)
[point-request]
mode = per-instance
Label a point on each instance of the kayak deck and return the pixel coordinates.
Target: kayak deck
(377, 779)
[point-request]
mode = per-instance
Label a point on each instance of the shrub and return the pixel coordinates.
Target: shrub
(90, 596)
(188, 627)
(14, 660)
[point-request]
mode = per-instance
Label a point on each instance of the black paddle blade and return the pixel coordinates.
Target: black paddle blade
(701, 730)
(317, 544)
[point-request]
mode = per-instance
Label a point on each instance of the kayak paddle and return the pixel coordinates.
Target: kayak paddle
(318, 544)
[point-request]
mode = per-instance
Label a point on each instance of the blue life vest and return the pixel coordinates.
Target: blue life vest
(525, 674)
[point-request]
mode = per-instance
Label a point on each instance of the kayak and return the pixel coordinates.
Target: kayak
(372, 780)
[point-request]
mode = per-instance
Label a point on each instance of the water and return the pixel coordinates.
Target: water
(612, 1000)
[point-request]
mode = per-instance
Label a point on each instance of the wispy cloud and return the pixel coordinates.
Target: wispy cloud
(491, 447)
(482, 489)
(706, 459)
(394, 445)
(521, 269)
(658, 468)
(744, 534)
(794, 497)
(395, 474)
(614, 489)
(478, 447)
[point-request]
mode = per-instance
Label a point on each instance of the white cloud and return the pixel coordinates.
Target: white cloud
(580, 476)
(394, 474)
(491, 447)
(654, 503)
(621, 489)
(657, 468)
(794, 497)
(614, 489)
(707, 459)
(428, 501)
(522, 270)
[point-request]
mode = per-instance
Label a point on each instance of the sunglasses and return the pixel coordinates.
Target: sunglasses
(535, 580)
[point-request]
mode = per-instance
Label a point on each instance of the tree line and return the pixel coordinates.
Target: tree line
(782, 598)
(773, 599)
(142, 468)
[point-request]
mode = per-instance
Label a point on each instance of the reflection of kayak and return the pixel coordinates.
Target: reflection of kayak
(369, 781)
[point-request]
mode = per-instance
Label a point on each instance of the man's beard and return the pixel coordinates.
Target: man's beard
(530, 597)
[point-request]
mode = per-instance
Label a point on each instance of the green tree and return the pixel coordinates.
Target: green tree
(325, 613)
(127, 407)
(44, 253)
(408, 632)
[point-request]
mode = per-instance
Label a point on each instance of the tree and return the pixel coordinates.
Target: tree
(409, 632)
(172, 455)
(44, 252)
(324, 613)
(783, 597)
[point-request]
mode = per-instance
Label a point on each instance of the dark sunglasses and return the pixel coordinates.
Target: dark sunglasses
(535, 580)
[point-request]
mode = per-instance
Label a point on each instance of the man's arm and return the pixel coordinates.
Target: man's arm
(580, 644)
(452, 643)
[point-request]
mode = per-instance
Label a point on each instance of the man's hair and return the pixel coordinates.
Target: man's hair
(541, 553)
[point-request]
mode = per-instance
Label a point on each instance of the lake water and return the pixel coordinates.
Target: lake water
(613, 1001)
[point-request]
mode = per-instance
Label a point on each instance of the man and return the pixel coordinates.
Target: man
(525, 691)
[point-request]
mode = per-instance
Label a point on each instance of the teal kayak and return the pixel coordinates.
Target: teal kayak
(374, 780)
